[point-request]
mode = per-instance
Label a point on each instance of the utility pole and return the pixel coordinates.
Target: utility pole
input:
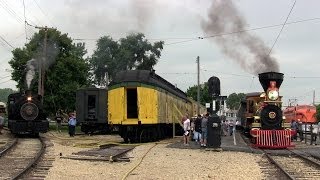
(314, 97)
(198, 89)
(42, 62)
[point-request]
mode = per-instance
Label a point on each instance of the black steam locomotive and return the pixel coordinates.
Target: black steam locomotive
(26, 114)
(261, 114)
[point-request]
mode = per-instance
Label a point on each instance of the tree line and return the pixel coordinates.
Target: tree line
(67, 69)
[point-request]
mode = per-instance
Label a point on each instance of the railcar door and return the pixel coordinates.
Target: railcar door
(132, 103)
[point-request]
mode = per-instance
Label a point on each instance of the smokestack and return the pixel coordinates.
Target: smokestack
(266, 77)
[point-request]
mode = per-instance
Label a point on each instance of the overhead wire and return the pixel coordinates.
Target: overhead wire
(25, 20)
(244, 30)
(6, 7)
(2, 38)
(239, 75)
(44, 12)
(215, 35)
(282, 28)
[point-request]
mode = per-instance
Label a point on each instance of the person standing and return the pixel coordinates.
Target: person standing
(319, 129)
(59, 120)
(231, 127)
(300, 131)
(314, 133)
(197, 129)
(186, 128)
(204, 131)
(1, 122)
(224, 128)
(294, 126)
(238, 125)
(72, 125)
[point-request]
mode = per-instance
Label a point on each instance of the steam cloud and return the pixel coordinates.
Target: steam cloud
(246, 49)
(33, 65)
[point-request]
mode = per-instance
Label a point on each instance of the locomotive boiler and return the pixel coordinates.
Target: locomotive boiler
(26, 114)
(262, 117)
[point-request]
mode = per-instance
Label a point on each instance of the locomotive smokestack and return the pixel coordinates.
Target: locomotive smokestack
(266, 77)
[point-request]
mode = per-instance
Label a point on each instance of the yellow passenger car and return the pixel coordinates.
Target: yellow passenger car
(145, 107)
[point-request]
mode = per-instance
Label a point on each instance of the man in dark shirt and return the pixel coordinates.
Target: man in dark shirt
(59, 120)
(204, 124)
(197, 129)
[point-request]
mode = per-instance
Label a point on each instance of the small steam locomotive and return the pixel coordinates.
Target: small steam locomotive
(261, 114)
(26, 114)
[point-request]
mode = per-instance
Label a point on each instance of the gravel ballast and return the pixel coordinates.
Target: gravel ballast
(160, 162)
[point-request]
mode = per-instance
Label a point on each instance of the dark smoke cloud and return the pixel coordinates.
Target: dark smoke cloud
(143, 11)
(246, 49)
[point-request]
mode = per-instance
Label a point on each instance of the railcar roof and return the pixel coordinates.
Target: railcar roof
(253, 94)
(147, 77)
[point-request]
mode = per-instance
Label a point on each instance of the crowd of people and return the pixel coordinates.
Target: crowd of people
(72, 122)
(299, 127)
(196, 129)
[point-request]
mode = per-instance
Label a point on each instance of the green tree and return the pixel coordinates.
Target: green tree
(4, 93)
(66, 69)
(318, 112)
(234, 99)
(204, 93)
(131, 52)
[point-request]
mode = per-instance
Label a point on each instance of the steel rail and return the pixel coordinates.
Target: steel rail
(6, 149)
(115, 157)
(278, 166)
(33, 162)
(305, 158)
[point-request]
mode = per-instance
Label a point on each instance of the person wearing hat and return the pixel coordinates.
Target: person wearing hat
(72, 124)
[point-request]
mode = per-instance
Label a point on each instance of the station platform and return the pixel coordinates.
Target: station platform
(228, 143)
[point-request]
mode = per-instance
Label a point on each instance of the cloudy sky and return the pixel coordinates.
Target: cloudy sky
(235, 58)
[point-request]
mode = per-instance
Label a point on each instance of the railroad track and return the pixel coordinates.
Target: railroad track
(41, 168)
(294, 164)
(20, 157)
(7, 144)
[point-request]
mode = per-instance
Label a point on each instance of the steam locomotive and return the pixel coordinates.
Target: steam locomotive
(26, 114)
(261, 114)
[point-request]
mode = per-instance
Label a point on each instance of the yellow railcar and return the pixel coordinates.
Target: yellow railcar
(145, 107)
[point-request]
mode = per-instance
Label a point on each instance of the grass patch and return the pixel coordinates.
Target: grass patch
(64, 127)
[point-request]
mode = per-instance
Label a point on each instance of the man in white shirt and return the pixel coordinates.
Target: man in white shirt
(186, 128)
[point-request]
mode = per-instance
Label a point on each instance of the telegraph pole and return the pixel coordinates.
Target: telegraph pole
(42, 62)
(198, 89)
(314, 97)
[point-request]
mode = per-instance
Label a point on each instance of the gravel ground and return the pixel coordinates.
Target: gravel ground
(159, 163)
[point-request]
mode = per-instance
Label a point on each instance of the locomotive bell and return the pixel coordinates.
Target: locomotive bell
(267, 78)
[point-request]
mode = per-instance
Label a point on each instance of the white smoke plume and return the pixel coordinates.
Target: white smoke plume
(246, 49)
(32, 65)
(31, 68)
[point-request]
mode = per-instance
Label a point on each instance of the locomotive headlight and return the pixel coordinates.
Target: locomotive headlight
(29, 98)
(273, 95)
